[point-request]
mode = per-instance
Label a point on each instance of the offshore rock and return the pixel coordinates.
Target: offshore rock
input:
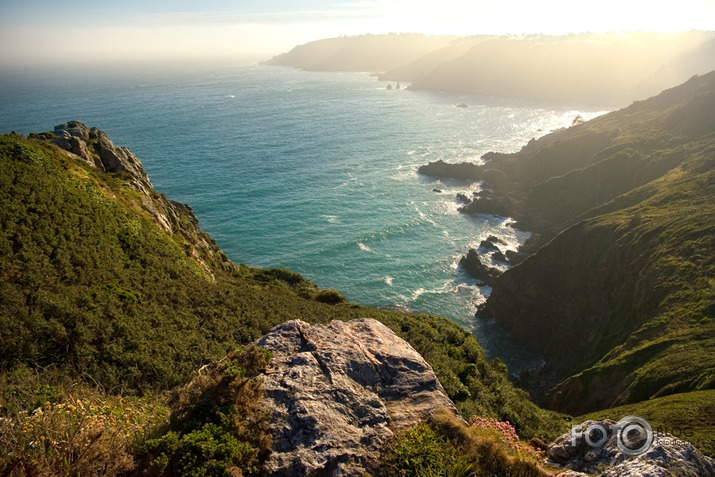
(472, 263)
(339, 391)
(666, 457)
(461, 171)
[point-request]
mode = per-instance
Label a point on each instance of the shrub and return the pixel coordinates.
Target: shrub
(216, 427)
(450, 447)
(421, 451)
(330, 296)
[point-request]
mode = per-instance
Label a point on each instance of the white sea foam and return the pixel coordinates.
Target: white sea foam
(364, 247)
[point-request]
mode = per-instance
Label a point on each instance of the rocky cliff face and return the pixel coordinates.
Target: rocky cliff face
(339, 391)
(96, 149)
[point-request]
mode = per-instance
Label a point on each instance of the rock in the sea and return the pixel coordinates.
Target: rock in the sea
(472, 263)
(495, 239)
(487, 245)
(463, 198)
(498, 256)
(338, 392)
(665, 457)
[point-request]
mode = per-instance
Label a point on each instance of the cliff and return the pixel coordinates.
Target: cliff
(618, 292)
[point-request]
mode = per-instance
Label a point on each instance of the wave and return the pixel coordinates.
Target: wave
(364, 247)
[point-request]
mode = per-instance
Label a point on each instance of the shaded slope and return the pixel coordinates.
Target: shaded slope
(628, 297)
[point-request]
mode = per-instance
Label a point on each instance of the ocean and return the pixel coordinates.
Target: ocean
(314, 172)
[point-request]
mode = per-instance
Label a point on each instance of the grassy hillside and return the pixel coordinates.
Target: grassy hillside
(96, 294)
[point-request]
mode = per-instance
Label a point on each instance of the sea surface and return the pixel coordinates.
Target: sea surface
(314, 172)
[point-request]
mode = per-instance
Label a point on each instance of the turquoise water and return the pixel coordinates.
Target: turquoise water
(314, 172)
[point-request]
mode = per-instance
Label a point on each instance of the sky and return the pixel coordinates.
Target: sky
(37, 31)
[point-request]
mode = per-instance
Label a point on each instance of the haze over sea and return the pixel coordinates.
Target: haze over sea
(313, 172)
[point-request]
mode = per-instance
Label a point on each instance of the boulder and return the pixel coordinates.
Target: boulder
(338, 393)
(665, 456)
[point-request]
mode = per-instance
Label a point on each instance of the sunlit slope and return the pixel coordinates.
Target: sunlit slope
(621, 302)
(606, 69)
(596, 69)
(93, 287)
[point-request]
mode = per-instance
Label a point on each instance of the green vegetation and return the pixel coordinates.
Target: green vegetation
(449, 447)
(216, 426)
(99, 303)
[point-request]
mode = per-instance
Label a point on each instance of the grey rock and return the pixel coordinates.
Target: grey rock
(339, 391)
(667, 456)
(74, 129)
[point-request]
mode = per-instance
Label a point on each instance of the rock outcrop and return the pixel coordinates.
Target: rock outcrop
(665, 457)
(96, 149)
(339, 391)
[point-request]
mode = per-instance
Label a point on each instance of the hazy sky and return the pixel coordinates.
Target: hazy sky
(35, 31)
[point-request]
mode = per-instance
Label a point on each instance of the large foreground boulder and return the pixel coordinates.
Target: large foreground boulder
(339, 391)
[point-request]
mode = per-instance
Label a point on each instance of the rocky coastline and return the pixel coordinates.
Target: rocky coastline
(585, 274)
